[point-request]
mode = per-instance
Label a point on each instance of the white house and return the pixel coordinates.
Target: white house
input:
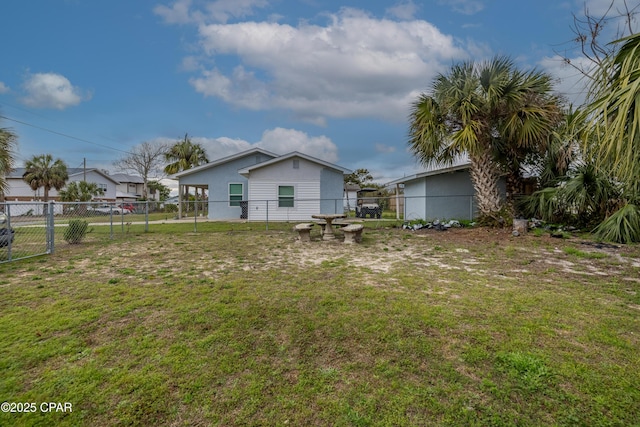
(131, 188)
(19, 190)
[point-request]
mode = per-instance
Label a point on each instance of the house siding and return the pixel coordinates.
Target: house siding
(448, 195)
(306, 201)
(264, 183)
(331, 191)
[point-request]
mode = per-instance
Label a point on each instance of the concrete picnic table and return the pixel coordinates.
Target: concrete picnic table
(328, 230)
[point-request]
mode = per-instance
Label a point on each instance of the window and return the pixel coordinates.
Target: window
(285, 196)
(235, 194)
(296, 164)
(102, 187)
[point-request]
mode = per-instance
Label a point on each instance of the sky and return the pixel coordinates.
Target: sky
(88, 80)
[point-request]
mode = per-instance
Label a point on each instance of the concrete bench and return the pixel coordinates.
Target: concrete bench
(353, 233)
(304, 232)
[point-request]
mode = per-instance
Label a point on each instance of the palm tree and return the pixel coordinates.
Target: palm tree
(530, 120)
(614, 114)
(483, 110)
(80, 191)
(43, 171)
(614, 121)
(7, 159)
(184, 155)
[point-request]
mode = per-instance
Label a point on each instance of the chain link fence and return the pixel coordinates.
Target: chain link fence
(35, 228)
(26, 230)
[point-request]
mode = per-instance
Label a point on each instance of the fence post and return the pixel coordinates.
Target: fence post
(195, 216)
(9, 229)
(267, 222)
(51, 229)
(111, 221)
(146, 216)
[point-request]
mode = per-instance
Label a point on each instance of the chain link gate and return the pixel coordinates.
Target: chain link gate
(26, 230)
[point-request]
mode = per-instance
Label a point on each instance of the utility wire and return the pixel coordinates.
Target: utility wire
(63, 134)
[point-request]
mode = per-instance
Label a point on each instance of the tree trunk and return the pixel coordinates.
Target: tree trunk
(484, 175)
(514, 188)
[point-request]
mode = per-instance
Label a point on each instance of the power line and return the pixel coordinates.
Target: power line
(63, 134)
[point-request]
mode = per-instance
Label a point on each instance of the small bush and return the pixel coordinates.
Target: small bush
(170, 208)
(76, 231)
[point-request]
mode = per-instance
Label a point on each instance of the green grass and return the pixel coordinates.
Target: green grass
(238, 326)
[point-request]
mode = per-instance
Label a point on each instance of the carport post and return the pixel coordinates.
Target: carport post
(195, 213)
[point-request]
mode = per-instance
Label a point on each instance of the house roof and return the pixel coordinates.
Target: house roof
(222, 161)
(17, 173)
(460, 163)
(81, 171)
(247, 170)
(124, 178)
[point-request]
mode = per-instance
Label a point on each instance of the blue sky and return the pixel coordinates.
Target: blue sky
(333, 79)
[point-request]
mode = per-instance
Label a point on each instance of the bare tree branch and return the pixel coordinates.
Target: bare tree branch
(146, 160)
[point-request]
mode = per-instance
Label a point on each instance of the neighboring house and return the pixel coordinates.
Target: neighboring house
(350, 196)
(19, 190)
(131, 188)
(440, 193)
(257, 184)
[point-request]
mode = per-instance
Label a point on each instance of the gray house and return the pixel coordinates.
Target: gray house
(440, 193)
(257, 184)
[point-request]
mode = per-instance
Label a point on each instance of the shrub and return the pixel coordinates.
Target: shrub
(169, 208)
(76, 231)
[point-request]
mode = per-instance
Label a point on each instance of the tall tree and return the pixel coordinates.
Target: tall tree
(614, 115)
(7, 160)
(146, 160)
(530, 118)
(481, 109)
(614, 122)
(163, 191)
(43, 171)
(184, 155)
(359, 177)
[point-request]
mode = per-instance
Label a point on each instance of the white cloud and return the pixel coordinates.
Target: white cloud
(178, 13)
(466, 7)
(50, 90)
(4, 88)
(278, 140)
(405, 10)
(181, 11)
(355, 66)
(223, 10)
(282, 141)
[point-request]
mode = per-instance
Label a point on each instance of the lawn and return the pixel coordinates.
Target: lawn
(240, 326)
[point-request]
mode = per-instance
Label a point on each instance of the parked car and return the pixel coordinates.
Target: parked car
(128, 206)
(107, 210)
(6, 234)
